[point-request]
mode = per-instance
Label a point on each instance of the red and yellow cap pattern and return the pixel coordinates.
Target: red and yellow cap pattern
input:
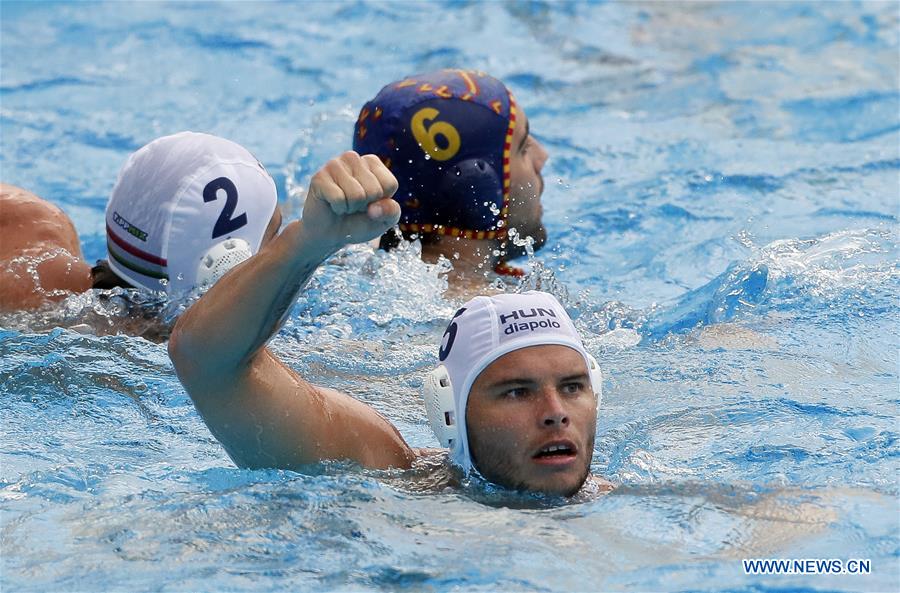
(446, 136)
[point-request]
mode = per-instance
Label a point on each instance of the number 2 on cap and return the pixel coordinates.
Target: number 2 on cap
(225, 223)
(427, 136)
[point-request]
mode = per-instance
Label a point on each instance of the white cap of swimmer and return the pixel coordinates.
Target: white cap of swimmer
(483, 330)
(176, 200)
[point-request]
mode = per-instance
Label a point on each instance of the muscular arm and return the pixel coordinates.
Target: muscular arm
(40, 259)
(263, 413)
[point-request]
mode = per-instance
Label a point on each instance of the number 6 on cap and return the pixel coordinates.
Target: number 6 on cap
(427, 136)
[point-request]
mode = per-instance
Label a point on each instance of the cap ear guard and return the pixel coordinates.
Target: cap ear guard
(441, 406)
(471, 196)
(220, 258)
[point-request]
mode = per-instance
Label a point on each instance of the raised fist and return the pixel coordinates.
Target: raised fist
(349, 201)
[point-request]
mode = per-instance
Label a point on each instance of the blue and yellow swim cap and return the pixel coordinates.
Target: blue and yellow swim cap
(446, 137)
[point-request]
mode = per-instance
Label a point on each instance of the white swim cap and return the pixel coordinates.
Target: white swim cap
(175, 200)
(482, 331)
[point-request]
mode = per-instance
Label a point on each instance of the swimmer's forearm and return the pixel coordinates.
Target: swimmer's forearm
(243, 310)
(348, 201)
(306, 256)
(264, 413)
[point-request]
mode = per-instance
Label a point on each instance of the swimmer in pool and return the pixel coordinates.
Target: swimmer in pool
(185, 208)
(37, 235)
(515, 397)
(468, 167)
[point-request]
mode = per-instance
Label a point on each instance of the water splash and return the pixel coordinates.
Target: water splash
(325, 138)
(361, 290)
(538, 276)
(29, 265)
(824, 269)
(837, 272)
(100, 312)
(591, 319)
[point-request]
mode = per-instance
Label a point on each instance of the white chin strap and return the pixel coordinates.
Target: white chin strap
(440, 403)
(220, 258)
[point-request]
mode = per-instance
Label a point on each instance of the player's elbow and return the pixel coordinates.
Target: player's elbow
(200, 361)
(181, 349)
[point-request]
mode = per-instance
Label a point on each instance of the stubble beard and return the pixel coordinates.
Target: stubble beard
(502, 473)
(538, 236)
(535, 230)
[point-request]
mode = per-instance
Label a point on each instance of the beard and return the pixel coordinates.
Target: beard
(499, 469)
(525, 216)
(538, 234)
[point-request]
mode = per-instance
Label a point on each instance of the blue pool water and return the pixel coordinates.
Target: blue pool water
(722, 201)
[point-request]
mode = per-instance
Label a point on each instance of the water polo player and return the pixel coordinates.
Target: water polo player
(40, 256)
(469, 169)
(514, 398)
(185, 208)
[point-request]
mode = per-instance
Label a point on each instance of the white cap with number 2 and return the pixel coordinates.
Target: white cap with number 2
(180, 204)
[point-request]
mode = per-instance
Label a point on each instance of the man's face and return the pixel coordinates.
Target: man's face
(531, 420)
(527, 158)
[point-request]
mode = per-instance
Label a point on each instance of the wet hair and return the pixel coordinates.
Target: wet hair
(103, 277)
(392, 238)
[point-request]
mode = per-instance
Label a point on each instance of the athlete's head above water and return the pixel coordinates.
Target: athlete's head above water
(185, 209)
(460, 148)
(516, 395)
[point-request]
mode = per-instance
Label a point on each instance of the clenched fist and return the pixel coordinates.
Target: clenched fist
(349, 201)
